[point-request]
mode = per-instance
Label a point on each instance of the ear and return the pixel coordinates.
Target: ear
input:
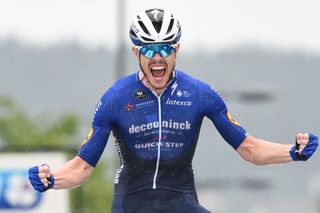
(177, 49)
(135, 52)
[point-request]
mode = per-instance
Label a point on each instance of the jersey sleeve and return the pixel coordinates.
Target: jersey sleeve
(94, 145)
(216, 110)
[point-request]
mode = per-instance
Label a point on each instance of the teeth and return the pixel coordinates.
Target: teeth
(158, 67)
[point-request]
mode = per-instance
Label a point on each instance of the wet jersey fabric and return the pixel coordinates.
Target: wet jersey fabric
(156, 136)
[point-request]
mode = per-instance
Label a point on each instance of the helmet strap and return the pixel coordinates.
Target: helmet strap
(141, 67)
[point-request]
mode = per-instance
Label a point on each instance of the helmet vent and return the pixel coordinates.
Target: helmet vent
(132, 33)
(157, 26)
(147, 39)
(168, 38)
(170, 26)
(144, 28)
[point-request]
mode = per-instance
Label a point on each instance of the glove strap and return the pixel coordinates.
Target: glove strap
(300, 157)
(50, 182)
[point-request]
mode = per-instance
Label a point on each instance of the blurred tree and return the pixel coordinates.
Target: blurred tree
(19, 132)
(95, 195)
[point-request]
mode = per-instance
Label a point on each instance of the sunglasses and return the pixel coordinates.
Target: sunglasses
(150, 50)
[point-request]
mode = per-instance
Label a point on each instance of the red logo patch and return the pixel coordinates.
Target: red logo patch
(129, 107)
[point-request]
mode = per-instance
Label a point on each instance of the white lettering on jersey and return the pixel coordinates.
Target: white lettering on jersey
(178, 103)
(165, 124)
(174, 87)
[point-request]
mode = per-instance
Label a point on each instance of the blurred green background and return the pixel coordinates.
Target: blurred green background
(21, 133)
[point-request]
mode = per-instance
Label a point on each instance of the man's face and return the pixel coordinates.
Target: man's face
(157, 70)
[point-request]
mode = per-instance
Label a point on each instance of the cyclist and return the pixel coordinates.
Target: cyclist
(155, 116)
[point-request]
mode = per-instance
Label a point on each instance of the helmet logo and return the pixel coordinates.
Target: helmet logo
(134, 28)
(155, 13)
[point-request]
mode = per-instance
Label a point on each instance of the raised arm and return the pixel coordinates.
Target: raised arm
(256, 151)
(262, 152)
(72, 174)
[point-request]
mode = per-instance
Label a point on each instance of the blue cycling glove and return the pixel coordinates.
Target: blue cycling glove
(308, 150)
(36, 182)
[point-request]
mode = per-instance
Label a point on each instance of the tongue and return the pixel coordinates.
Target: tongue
(158, 73)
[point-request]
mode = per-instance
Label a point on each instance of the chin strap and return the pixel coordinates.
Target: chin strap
(143, 71)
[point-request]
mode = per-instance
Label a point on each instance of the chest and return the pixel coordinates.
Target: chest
(140, 110)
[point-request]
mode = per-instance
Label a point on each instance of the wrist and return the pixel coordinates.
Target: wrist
(293, 154)
(50, 182)
(296, 156)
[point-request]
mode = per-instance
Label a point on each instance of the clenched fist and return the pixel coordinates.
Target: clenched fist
(306, 145)
(40, 178)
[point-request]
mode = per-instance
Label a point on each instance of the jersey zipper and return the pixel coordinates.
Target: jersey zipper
(154, 186)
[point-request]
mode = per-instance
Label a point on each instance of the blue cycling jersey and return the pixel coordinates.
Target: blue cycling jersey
(156, 136)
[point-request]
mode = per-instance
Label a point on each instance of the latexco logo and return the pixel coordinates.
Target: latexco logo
(178, 103)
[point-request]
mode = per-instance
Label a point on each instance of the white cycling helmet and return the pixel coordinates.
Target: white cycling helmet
(155, 26)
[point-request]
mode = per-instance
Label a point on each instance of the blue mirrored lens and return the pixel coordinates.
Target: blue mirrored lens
(150, 50)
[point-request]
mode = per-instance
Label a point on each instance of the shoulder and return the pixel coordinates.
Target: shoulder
(192, 81)
(110, 98)
(203, 88)
(187, 79)
(121, 85)
(125, 82)
(208, 98)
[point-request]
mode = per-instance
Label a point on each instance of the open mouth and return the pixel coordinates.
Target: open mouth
(158, 71)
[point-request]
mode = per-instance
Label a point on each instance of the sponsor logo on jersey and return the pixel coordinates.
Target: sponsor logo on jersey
(231, 119)
(179, 93)
(97, 109)
(178, 103)
(118, 173)
(129, 107)
(174, 87)
(89, 136)
(140, 94)
(155, 144)
(145, 104)
(215, 91)
(165, 124)
(184, 93)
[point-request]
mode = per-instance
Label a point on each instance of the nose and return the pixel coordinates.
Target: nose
(157, 56)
